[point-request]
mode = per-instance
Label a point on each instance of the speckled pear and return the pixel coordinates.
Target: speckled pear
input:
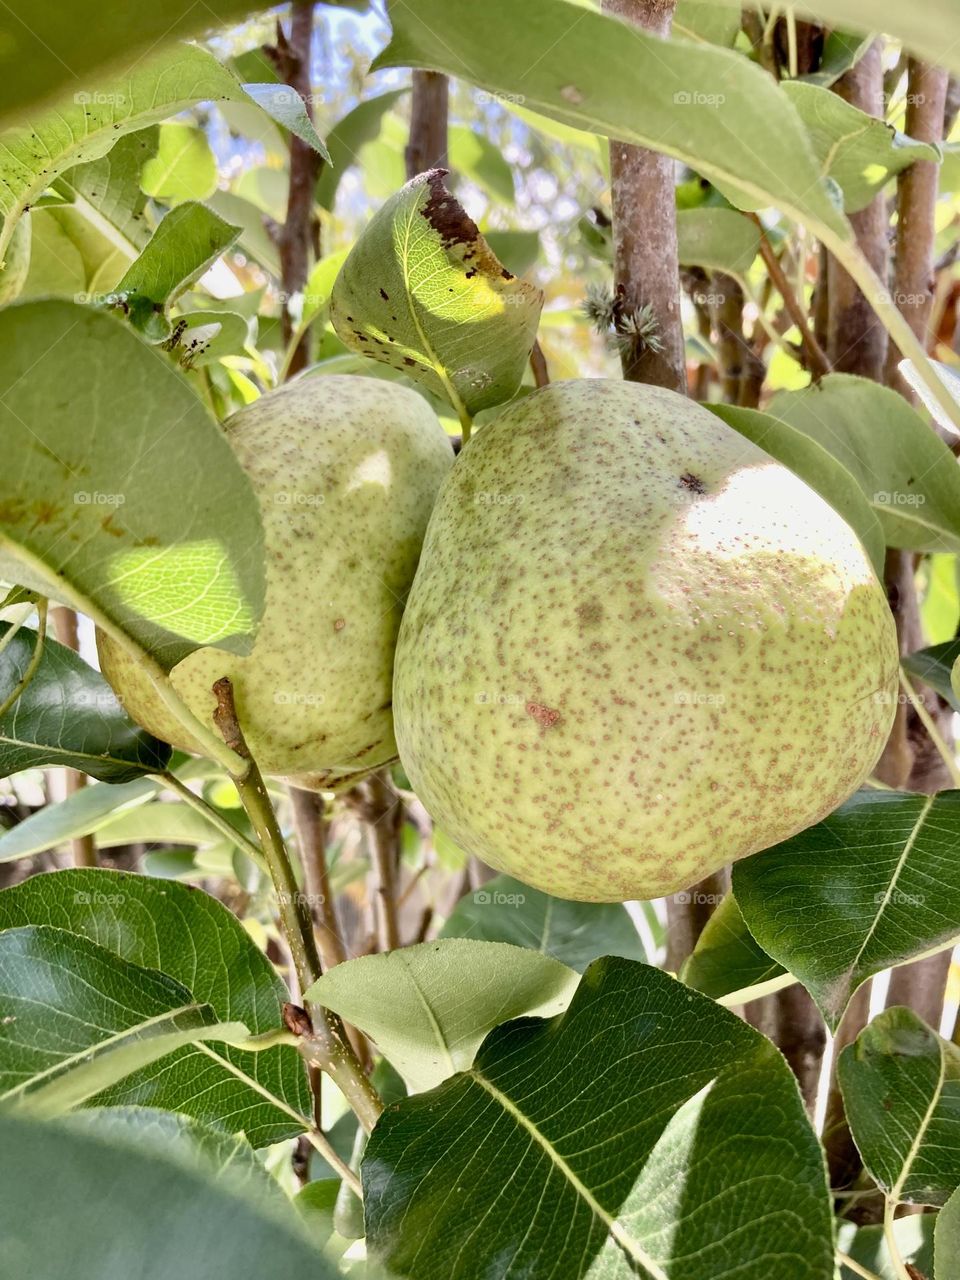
(347, 470)
(636, 648)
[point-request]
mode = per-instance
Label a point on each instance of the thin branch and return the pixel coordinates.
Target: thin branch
(538, 364)
(210, 814)
(817, 360)
(856, 1267)
(311, 827)
(325, 1045)
(295, 237)
(386, 819)
(83, 848)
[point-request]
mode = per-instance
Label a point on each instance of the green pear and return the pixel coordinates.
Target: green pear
(347, 470)
(636, 647)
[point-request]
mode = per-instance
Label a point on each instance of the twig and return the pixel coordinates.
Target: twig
(890, 1238)
(926, 719)
(292, 57)
(311, 828)
(386, 820)
(326, 1045)
(538, 364)
(816, 356)
(83, 848)
(318, 1139)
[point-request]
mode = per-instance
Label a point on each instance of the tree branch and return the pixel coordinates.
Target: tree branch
(646, 268)
(429, 109)
(310, 825)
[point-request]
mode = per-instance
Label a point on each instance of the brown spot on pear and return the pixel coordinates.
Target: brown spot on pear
(347, 470)
(737, 683)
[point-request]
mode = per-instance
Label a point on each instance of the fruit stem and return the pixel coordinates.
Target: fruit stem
(322, 1034)
(216, 819)
(466, 422)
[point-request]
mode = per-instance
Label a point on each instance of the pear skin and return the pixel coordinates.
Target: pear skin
(637, 648)
(347, 470)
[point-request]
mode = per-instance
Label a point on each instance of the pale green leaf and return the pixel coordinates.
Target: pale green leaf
(183, 166)
(421, 291)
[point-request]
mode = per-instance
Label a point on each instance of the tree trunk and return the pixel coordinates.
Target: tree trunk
(427, 146)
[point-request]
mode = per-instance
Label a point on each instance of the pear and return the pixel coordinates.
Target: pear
(346, 470)
(636, 648)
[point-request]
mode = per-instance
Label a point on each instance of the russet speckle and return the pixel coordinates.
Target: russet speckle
(647, 651)
(346, 470)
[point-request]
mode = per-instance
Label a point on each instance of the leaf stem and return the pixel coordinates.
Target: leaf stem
(173, 783)
(34, 662)
(319, 1141)
(889, 1235)
(466, 421)
(856, 1267)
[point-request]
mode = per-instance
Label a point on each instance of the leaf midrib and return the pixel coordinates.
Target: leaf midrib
(615, 1228)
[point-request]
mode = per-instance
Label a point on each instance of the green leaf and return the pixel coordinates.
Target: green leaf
(189, 240)
(422, 292)
(286, 107)
(75, 1019)
(933, 667)
(866, 1245)
(68, 715)
(122, 497)
(55, 48)
(428, 1007)
(107, 191)
(197, 942)
(202, 337)
(841, 51)
(517, 250)
(164, 1220)
(950, 378)
(228, 1159)
(718, 239)
(348, 135)
(870, 887)
(158, 822)
(946, 1239)
(716, 23)
(928, 27)
(857, 151)
(70, 256)
(908, 475)
(644, 1132)
(183, 166)
(474, 156)
(817, 465)
(81, 813)
(255, 240)
(86, 126)
(16, 263)
(704, 105)
(727, 964)
(901, 1093)
(575, 933)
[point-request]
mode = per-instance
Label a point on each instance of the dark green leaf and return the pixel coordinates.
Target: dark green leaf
(422, 291)
(841, 51)
(68, 715)
(575, 933)
(718, 239)
(727, 963)
(872, 886)
(121, 496)
(644, 1132)
(75, 1019)
(866, 1245)
(946, 1240)
(121, 1212)
(428, 1007)
(901, 1092)
(191, 937)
